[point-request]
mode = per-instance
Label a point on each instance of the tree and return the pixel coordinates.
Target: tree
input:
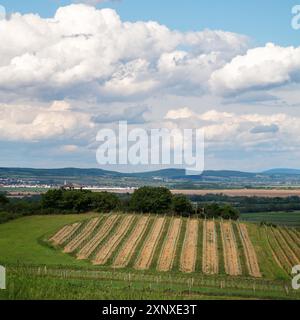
(70, 199)
(83, 203)
(151, 200)
(228, 212)
(212, 210)
(104, 201)
(3, 199)
(182, 205)
(52, 198)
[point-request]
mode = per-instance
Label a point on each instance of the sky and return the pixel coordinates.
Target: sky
(263, 20)
(69, 69)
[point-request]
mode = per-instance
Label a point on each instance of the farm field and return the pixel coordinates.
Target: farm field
(271, 193)
(159, 256)
(168, 243)
(280, 218)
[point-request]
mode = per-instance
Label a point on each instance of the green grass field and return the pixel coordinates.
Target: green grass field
(280, 218)
(28, 283)
(35, 270)
(21, 241)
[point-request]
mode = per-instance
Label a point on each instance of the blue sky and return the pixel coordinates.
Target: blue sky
(230, 67)
(263, 20)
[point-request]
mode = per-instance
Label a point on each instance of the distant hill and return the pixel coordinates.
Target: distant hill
(28, 172)
(175, 173)
(165, 173)
(172, 178)
(282, 171)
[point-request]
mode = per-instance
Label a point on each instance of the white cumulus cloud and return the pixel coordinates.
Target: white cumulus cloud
(261, 68)
(83, 51)
(29, 123)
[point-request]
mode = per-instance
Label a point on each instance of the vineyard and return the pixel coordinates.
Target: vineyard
(184, 245)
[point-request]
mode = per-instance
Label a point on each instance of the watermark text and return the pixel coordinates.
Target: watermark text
(2, 278)
(296, 279)
(154, 147)
(296, 17)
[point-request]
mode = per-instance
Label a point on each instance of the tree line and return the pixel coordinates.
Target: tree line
(156, 200)
(250, 204)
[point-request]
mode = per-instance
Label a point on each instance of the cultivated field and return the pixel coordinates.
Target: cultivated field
(291, 219)
(167, 244)
(271, 193)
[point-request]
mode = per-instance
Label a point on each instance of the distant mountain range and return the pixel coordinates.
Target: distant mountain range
(283, 171)
(158, 173)
(174, 178)
(165, 173)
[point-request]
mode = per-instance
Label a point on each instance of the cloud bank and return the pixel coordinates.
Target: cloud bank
(63, 78)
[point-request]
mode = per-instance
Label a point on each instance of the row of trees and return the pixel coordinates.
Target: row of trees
(79, 201)
(144, 200)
